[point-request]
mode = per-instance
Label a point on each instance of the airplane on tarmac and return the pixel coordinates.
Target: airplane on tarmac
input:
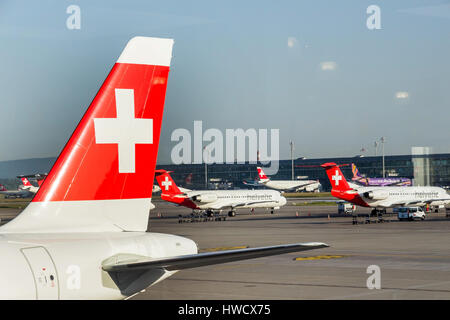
(28, 186)
(380, 198)
(83, 236)
(19, 193)
(381, 182)
(216, 200)
(39, 177)
(285, 185)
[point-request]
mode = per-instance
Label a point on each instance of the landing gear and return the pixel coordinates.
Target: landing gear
(272, 211)
(377, 213)
(231, 213)
(209, 213)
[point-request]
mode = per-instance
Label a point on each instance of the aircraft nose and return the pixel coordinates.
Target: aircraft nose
(282, 201)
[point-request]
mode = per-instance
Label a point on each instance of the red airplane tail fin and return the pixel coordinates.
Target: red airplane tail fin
(26, 183)
(337, 179)
(166, 183)
(2, 187)
(100, 180)
(261, 174)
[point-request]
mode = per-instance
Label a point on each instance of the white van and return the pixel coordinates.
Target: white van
(410, 213)
(345, 207)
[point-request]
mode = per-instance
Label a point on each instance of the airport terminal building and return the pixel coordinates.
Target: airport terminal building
(425, 169)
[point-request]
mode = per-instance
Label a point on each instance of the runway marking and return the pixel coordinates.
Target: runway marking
(399, 255)
(318, 257)
(222, 249)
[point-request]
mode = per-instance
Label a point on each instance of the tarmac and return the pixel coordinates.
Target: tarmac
(413, 256)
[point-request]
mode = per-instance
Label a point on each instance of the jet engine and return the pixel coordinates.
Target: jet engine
(376, 195)
(204, 198)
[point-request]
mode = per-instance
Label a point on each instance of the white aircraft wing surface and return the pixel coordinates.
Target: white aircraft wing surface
(415, 201)
(226, 204)
(122, 263)
(249, 203)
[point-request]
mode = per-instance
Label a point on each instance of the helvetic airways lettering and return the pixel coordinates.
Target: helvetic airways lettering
(195, 310)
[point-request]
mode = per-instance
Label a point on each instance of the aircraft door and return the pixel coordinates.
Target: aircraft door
(44, 273)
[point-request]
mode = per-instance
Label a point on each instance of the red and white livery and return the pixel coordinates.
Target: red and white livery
(26, 185)
(84, 236)
(381, 198)
(216, 200)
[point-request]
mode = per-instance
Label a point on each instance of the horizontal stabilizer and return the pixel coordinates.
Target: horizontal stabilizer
(115, 264)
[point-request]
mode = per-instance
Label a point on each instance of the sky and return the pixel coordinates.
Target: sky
(312, 69)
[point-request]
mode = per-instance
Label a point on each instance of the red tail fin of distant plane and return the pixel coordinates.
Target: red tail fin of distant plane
(166, 183)
(337, 179)
(100, 180)
(2, 187)
(339, 185)
(261, 174)
(188, 179)
(26, 183)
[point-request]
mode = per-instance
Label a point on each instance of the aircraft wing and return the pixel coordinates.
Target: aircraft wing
(398, 183)
(415, 201)
(225, 204)
(252, 183)
(243, 204)
(121, 263)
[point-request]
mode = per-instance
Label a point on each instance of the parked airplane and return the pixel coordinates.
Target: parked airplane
(19, 193)
(286, 185)
(380, 198)
(39, 177)
(390, 181)
(84, 236)
(216, 200)
(28, 186)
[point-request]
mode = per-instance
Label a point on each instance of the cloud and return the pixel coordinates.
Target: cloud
(401, 95)
(291, 42)
(328, 66)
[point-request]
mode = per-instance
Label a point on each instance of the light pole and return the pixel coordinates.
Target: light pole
(206, 152)
(383, 140)
(292, 158)
(376, 147)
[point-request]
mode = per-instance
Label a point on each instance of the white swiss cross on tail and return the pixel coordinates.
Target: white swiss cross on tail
(337, 177)
(126, 131)
(166, 183)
